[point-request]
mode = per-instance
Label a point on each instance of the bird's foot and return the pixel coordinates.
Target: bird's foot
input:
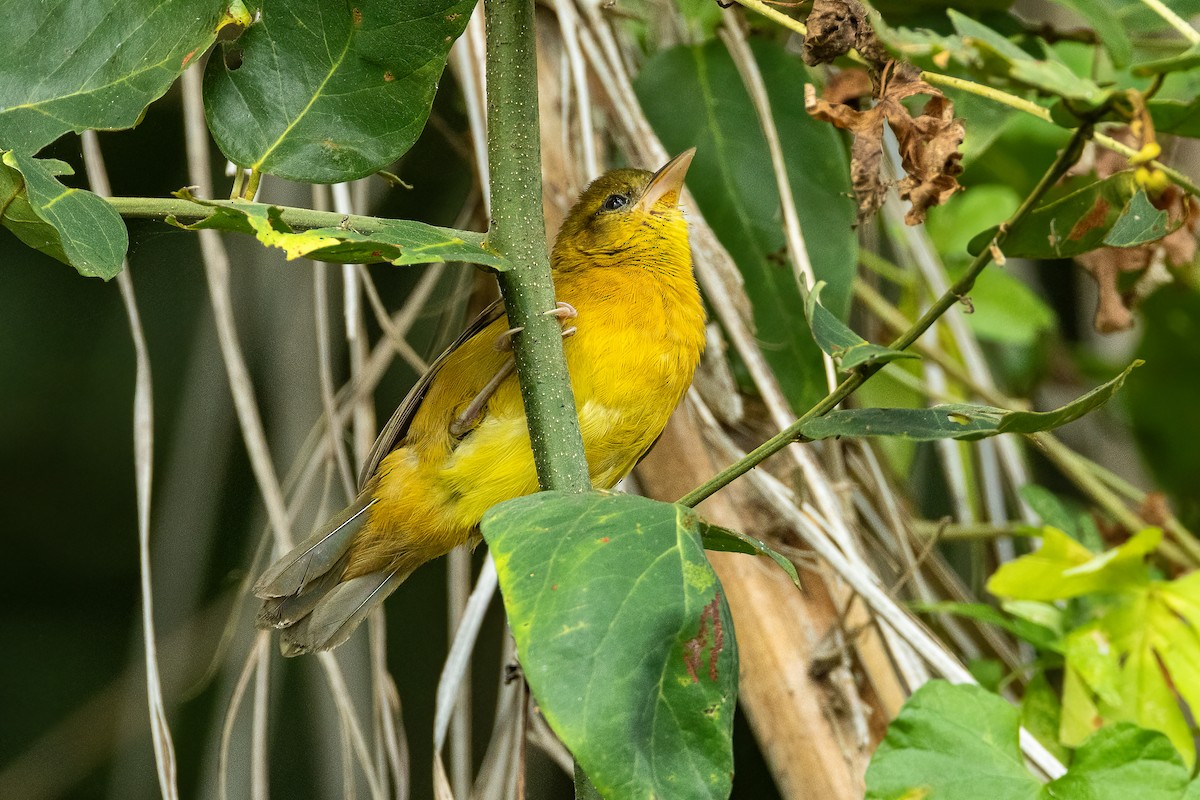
(470, 415)
(563, 311)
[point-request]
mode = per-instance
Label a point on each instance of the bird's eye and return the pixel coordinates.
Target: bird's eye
(614, 202)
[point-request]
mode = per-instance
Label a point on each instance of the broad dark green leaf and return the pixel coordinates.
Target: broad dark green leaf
(624, 636)
(395, 241)
(1108, 27)
(71, 65)
(1180, 117)
(835, 337)
(694, 96)
(1081, 221)
(952, 743)
(72, 225)
(1046, 75)
(325, 90)
(1139, 223)
(725, 540)
(1121, 762)
(956, 420)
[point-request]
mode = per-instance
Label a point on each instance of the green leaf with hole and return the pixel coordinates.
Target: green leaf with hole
(956, 420)
(362, 240)
(323, 91)
(71, 65)
(1082, 220)
(837, 339)
(72, 225)
(624, 636)
(694, 96)
(725, 540)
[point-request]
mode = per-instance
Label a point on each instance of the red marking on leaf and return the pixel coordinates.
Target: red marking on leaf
(604, 540)
(188, 58)
(554, 588)
(1094, 218)
(694, 648)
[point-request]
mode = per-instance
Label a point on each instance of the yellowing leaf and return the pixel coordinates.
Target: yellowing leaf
(1063, 568)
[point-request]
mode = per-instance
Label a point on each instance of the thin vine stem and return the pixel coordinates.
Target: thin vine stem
(1065, 160)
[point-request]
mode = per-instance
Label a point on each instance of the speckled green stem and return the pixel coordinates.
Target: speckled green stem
(517, 231)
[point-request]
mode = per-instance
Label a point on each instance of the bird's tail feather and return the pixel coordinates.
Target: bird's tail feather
(340, 611)
(305, 594)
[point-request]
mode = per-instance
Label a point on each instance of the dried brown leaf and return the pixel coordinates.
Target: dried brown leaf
(835, 27)
(847, 87)
(928, 142)
(1106, 264)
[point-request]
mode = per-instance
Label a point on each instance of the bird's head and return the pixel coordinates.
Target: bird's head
(626, 214)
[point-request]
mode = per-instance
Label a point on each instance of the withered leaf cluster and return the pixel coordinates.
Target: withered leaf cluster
(1106, 264)
(928, 142)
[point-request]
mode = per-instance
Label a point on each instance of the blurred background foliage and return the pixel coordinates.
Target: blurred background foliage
(72, 686)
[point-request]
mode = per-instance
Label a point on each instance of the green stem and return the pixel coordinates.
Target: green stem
(792, 433)
(189, 211)
(518, 232)
(1174, 20)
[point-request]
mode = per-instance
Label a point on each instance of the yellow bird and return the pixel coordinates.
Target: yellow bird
(459, 442)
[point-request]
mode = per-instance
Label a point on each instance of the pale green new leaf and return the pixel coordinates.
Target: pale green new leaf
(395, 241)
(1063, 568)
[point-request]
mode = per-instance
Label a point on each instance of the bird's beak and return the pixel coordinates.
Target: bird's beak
(667, 183)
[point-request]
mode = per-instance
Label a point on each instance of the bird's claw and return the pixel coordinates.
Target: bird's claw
(563, 311)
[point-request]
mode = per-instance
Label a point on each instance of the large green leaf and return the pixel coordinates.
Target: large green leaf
(694, 96)
(961, 743)
(325, 90)
(624, 636)
(952, 743)
(1121, 762)
(71, 65)
(73, 225)
(396, 241)
(956, 420)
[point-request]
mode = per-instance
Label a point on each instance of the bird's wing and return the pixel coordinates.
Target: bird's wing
(397, 427)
